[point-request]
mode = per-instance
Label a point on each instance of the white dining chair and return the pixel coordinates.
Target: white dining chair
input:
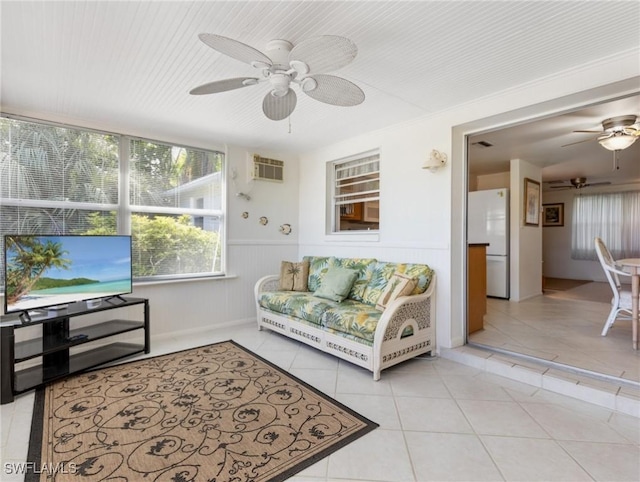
(621, 301)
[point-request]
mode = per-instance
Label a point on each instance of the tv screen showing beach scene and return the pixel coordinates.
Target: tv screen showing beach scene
(53, 271)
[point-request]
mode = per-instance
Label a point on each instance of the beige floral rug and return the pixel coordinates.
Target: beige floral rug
(214, 413)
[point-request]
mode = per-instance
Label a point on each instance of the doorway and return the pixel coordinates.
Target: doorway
(525, 327)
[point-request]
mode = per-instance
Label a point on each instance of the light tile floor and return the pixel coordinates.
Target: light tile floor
(562, 330)
(439, 421)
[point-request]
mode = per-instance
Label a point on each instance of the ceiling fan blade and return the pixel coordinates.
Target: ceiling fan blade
(561, 187)
(590, 132)
(324, 53)
(579, 142)
(233, 48)
(597, 184)
(335, 91)
(223, 85)
(278, 108)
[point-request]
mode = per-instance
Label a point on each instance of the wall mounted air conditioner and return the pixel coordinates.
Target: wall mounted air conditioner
(265, 169)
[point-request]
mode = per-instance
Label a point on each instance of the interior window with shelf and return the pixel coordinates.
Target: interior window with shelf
(356, 193)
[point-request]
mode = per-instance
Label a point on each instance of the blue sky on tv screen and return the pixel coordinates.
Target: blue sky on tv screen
(101, 258)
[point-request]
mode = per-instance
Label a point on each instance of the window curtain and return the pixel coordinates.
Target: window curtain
(614, 217)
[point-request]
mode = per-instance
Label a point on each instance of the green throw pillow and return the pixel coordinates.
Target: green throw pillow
(336, 284)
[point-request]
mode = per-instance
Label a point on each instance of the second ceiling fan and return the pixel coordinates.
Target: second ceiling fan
(577, 183)
(284, 65)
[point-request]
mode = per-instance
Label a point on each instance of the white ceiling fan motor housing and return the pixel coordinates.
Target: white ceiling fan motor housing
(618, 123)
(278, 52)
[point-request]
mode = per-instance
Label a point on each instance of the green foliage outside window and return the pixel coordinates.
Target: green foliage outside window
(164, 245)
(61, 180)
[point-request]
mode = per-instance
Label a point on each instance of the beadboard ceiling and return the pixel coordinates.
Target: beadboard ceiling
(128, 66)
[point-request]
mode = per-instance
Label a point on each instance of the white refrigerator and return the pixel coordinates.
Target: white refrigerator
(488, 222)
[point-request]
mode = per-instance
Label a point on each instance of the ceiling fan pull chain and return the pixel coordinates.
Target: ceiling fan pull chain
(289, 119)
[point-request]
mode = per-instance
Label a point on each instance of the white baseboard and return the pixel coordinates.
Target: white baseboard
(202, 329)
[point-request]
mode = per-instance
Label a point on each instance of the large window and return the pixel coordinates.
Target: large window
(62, 180)
(356, 193)
(614, 217)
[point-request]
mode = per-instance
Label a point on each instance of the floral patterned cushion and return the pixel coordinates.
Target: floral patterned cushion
(352, 318)
(364, 266)
(421, 272)
(383, 271)
(318, 266)
(299, 305)
(398, 285)
(348, 336)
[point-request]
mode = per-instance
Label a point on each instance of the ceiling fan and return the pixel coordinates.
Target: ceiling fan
(283, 65)
(617, 133)
(577, 183)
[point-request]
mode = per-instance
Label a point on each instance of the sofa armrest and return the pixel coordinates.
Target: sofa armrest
(417, 311)
(267, 283)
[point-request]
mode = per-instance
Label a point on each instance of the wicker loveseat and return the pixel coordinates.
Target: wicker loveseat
(387, 317)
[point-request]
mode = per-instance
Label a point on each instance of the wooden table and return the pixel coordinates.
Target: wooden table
(634, 265)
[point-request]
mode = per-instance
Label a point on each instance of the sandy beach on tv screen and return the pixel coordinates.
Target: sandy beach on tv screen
(32, 301)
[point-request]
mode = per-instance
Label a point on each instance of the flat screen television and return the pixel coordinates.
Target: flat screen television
(44, 271)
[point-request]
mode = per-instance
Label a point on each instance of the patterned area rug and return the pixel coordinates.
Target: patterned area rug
(213, 413)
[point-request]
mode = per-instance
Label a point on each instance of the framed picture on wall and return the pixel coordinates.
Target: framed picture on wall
(553, 214)
(531, 202)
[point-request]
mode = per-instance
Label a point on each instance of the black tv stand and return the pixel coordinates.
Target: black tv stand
(115, 297)
(19, 370)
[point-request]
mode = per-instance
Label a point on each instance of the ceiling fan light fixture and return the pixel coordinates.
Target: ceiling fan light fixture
(280, 83)
(617, 141)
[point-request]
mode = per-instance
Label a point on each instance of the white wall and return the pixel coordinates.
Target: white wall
(526, 241)
(415, 214)
(422, 213)
(253, 250)
(499, 180)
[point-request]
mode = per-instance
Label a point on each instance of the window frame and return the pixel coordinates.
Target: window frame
(124, 209)
(333, 201)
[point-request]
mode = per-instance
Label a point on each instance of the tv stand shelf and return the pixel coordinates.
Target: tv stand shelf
(54, 345)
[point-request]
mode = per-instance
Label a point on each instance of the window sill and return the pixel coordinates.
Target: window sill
(184, 280)
(359, 236)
